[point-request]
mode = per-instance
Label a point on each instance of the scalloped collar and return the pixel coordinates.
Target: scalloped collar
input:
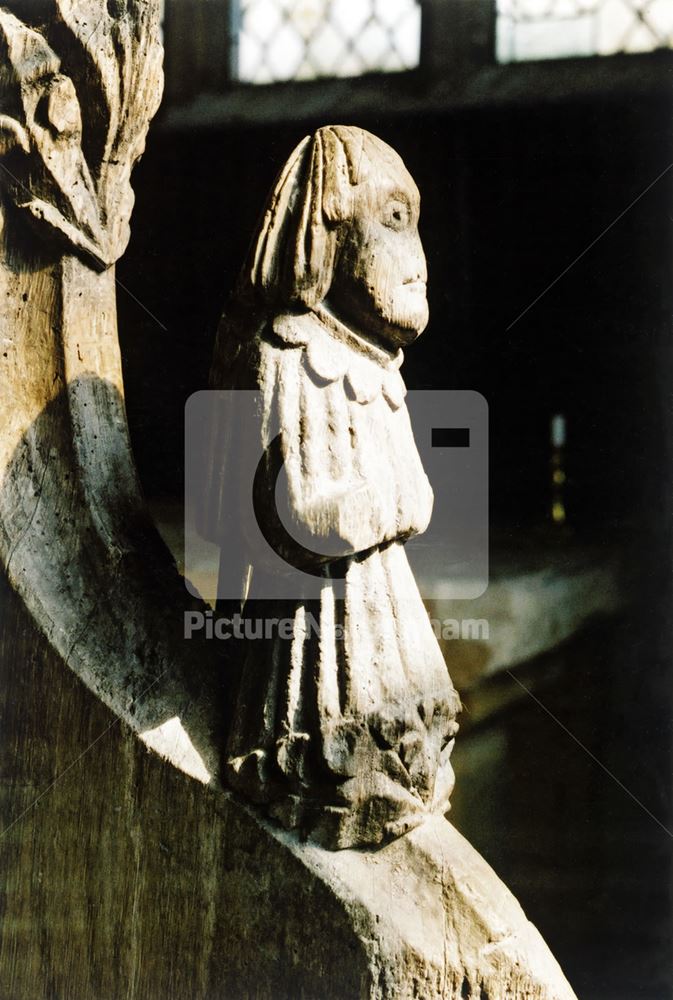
(334, 353)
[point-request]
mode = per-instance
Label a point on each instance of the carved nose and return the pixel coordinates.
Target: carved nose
(420, 266)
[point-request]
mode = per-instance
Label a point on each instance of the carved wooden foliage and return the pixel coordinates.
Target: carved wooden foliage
(66, 162)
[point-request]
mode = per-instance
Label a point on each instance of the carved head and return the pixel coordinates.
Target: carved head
(341, 228)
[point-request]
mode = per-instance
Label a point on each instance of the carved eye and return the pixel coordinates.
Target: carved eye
(396, 214)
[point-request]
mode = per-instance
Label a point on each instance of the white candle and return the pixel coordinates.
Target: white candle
(558, 430)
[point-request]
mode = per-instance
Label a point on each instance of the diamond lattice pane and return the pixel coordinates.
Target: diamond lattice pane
(304, 39)
(552, 29)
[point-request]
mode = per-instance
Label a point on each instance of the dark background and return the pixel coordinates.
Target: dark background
(511, 195)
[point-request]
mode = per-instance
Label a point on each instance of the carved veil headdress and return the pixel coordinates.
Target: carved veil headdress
(292, 256)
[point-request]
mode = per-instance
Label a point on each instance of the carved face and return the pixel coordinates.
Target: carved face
(379, 285)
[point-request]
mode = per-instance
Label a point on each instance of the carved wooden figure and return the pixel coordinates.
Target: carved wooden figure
(116, 858)
(346, 729)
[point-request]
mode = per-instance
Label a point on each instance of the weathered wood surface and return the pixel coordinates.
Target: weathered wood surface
(80, 83)
(125, 877)
(345, 730)
(129, 879)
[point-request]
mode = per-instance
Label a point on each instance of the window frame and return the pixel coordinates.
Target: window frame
(458, 70)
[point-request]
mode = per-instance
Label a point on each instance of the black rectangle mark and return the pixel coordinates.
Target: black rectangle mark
(450, 437)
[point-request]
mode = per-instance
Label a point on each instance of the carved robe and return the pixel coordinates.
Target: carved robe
(346, 728)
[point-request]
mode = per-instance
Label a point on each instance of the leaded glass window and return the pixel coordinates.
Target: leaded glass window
(552, 29)
(305, 39)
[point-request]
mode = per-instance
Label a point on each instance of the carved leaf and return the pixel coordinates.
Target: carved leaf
(73, 177)
(122, 39)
